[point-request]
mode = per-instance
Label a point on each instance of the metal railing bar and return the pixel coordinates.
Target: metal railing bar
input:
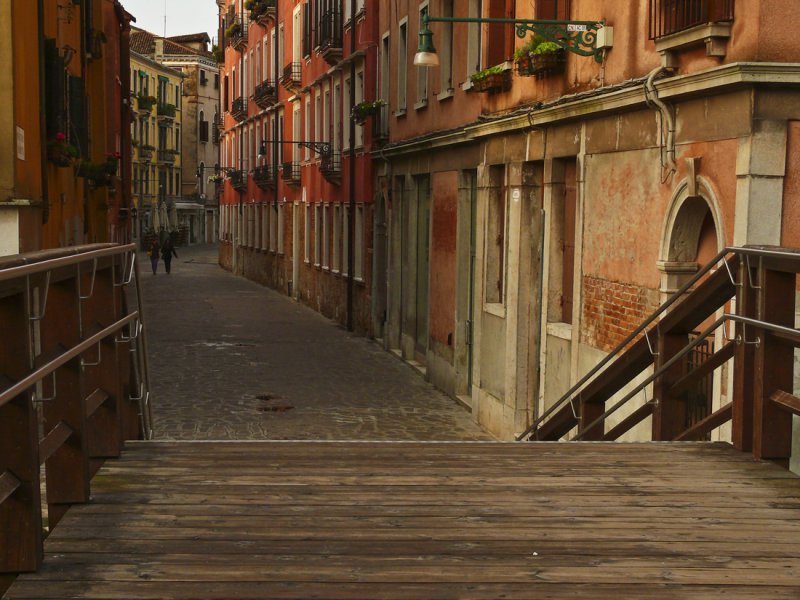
(91, 287)
(54, 364)
(62, 261)
(742, 250)
(43, 307)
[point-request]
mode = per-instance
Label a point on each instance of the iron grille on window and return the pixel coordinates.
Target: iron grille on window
(672, 16)
(330, 29)
(203, 131)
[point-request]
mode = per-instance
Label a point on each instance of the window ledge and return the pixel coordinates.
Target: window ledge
(715, 36)
(560, 330)
(400, 113)
(495, 308)
(421, 104)
(446, 95)
(467, 85)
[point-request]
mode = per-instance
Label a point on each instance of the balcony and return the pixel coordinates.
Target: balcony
(145, 104)
(236, 30)
(239, 109)
(216, 132)
(145, 152)
(238, 180)
(330, 36)
(265, 177)
(262, 11)
(167, 157)
(675, 24)
(291, 173)
(331, 167)
(266, 94)
(292, 76)
(380, 125)
(166, 112)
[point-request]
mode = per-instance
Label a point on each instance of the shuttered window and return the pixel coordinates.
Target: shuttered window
(78, 126)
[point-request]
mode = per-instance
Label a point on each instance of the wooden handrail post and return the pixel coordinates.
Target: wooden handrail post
(743, 359)
(20, 513)
(774, 367)
(669, 413)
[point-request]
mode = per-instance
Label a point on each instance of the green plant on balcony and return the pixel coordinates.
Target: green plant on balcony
(233, 30)
(95, 173)
(258, 8)
(523, 56)
(219, 54)
(548, 57)
(493, 79)
(60, 152)
(112, 163)
(363, 110)
(166, 110)
(145, 102)
(134, 143)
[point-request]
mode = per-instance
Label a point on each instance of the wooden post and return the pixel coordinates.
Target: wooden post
(589, 412)
(743, 359)
(67, 471)
(669, 413)
(774, 368)
(20, 513)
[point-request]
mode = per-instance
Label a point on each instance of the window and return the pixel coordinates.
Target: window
(359, 99)
(296, 132)
(264, 226)
(216, 81)
(337, 238)
(496, 236)
(307, 231)
(562, 246)
(273, 227)
(307, 122)
(203, 78)
(346, 113)
(280, 207)
(201, 184)
(203, 127)
(402, 66)
(446, 49)
(672, 16)
(559, 10)
(358, 265)
(346, 250)
(500, 36)
(384, 83)
(318, 116)
(326, 239)
(317, 234)
(475, 36)
(422, 74)
(337, 117)
(297, 37)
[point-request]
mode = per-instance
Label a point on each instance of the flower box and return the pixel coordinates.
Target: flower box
(492, 82)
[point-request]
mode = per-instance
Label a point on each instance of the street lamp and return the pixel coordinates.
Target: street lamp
(578, 37)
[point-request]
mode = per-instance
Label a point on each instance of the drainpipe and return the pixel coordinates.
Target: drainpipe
(42, 117)
(667, 114)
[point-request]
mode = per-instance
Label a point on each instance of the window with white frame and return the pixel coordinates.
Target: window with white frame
(402, 65)
(347, 109)
(307, 231)
(358, 262)
(297, 34)
(346, 248)
(280, 137)
(273, 227)
(337, 237)
(281, 216)
(264, 226)
(326, 114)
(446, 49)
(317, 233)
(359, 99)
(474, 37)
(296, 135)
(496, 236)
(281, 39)
(326, 239)
(318, 115)
(337, 117)
(307, 122)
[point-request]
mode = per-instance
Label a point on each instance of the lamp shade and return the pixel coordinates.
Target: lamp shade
(426, 54)
(426, 59)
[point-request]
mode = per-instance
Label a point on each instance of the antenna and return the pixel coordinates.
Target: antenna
(165, 18)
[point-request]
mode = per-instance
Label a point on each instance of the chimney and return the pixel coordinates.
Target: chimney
(159, 51)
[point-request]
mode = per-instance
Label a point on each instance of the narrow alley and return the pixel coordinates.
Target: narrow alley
(230, 359)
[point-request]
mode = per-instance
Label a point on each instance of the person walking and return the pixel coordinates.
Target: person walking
(167, 251)
(153, 253)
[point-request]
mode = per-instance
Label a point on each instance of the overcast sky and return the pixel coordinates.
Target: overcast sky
(183, 16)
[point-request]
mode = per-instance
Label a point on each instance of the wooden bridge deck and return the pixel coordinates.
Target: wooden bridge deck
(426, 521)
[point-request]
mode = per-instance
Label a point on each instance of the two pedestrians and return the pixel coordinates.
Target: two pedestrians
(166, 251)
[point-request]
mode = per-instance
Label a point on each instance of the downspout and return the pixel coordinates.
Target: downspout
(43, 117)
(667, 114)
(352, 216)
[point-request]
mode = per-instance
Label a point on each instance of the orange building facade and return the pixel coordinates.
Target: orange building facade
(297, 201)
(63, 144)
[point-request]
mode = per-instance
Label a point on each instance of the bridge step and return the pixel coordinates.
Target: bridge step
(427, 520)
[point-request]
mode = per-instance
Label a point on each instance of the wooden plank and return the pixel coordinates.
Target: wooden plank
(710, 423)
(629, 422)
(786, 401)
(8, 485)
(54, 440)
(94, 401)
(715, 361)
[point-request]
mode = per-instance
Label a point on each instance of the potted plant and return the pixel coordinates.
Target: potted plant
(95, 173)
(548, 57)
(145, 102)
(112, 162)
(215, 179)
(523, 56)
(363, 110)
(60, 152)
(233, 30)
(494, 79)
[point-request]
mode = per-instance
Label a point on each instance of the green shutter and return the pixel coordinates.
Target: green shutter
(54, 90)
(78, 129)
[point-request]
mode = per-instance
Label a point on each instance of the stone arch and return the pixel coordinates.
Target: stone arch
(692, 233)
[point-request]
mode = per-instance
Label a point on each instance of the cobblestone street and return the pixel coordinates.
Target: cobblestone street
(230, 359)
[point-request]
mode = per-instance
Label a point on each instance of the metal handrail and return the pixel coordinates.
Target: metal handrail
(759, 251)
(49, 264)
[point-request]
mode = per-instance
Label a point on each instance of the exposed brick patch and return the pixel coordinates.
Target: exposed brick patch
(612, 310)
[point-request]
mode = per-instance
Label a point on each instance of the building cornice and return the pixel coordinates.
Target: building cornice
(718, 79)
(596, 103)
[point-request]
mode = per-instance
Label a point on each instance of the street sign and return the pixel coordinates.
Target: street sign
(576, 27)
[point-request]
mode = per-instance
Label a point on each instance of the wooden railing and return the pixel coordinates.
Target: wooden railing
(763, 282)
(73, 384)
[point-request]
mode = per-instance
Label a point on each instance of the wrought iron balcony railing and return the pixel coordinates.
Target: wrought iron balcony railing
(330, 166)
(265, 94)
(291, 173)
(265, 176)
(238, 179)
(330, 34)
(672, 16)
(239, 109)
(292, 76)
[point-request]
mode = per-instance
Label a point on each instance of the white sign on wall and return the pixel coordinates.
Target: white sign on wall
(20, 143)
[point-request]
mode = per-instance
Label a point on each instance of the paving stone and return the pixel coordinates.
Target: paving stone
(230, 359)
